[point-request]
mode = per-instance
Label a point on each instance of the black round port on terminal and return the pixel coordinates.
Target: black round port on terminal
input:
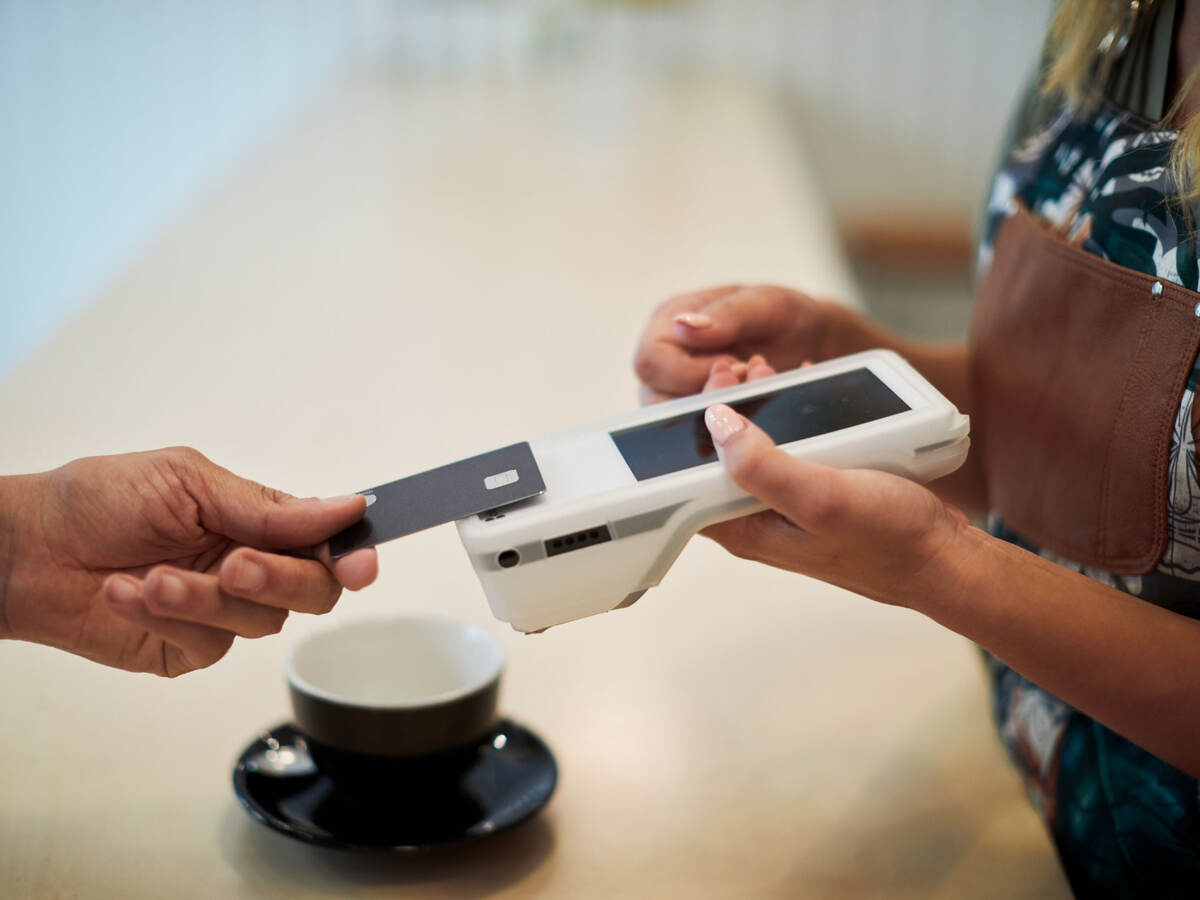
(508, 558)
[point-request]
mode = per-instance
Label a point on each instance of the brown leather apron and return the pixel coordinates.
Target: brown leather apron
(1078, 367)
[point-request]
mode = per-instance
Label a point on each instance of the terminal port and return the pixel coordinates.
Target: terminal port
(508, 558)
(576, 540)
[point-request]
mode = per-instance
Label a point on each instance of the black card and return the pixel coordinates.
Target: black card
(443, 494)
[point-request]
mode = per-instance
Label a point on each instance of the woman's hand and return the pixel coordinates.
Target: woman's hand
(155, 562)
(1128, 663)
(871, 532)
(688, 333)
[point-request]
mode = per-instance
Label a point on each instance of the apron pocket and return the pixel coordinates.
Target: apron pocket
(1078, 366)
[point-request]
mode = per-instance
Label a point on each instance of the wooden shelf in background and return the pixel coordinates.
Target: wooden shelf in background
(910, 242)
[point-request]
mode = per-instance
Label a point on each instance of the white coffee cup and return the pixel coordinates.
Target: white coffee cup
(397, 687)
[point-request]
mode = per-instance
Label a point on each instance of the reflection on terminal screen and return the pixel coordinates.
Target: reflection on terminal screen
(789, 414)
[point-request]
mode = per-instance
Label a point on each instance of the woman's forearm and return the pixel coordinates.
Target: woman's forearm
(944, 364)
(1129, 664)
(1125, 662)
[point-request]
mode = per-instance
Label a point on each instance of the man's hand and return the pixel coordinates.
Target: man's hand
(155, 562)
(687, 334)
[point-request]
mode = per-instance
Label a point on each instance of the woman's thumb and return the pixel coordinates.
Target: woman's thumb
(800, 490)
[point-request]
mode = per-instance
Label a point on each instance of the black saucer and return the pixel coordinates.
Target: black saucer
(508, 777)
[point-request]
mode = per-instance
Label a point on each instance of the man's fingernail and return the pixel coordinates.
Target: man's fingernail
(723, 423)
(693, 320)
(171, 590)
(248, 575)
(122, 591)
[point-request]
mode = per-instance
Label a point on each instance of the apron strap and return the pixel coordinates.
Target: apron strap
(1138, 79)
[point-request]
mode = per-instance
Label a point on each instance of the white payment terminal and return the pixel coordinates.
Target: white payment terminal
(623, 496)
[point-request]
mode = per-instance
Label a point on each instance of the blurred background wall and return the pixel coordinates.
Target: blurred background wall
(116, 115)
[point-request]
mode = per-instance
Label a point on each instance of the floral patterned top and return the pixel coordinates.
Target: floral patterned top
(1125, 823)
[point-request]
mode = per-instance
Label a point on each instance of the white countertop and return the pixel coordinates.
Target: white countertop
(414, 273)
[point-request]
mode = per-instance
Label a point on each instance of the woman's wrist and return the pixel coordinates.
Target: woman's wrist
(848, 331)
(933, 575)
(969, 588)
(842, 332)
(944, 363)
(946, 580)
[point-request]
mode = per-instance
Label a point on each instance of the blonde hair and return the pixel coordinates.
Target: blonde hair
(1080, 62)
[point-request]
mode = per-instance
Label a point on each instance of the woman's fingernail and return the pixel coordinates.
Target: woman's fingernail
(757, 360)
(171, 590)
(248, 575)
(723, 423)
(693, 320)
(739, 369)
(122, 591)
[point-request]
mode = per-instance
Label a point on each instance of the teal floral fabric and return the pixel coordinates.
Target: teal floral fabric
(1125, 823)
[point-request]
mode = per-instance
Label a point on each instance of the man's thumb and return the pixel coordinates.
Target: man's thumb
(263, 517)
